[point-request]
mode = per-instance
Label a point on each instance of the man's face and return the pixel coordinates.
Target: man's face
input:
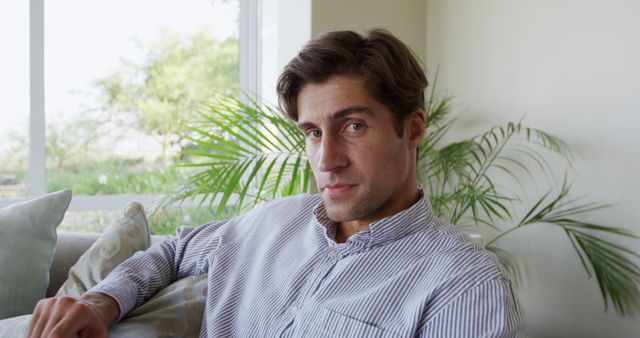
(363, 169)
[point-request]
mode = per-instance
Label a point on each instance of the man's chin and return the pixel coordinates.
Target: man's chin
(340, 213)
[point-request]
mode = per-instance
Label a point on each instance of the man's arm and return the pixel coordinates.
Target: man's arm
(128, 285)
(489, 309)
(140, 277)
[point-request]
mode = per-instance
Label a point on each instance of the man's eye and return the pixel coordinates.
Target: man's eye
(314, 133)
(356, 126)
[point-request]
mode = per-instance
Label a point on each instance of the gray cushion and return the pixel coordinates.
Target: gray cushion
(27, 241)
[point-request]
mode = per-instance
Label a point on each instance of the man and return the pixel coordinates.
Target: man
(364, 258)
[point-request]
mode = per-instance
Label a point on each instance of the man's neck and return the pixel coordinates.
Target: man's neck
(344, 230)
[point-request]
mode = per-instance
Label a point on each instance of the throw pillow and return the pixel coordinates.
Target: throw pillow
(126, 235)
(27, 241)
(175, 311)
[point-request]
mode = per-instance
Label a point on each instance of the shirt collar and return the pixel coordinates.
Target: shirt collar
(415, 218)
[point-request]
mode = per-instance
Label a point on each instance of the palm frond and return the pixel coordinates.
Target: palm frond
(468, 165)
(246, 153)
(436, 115)
(613, 265)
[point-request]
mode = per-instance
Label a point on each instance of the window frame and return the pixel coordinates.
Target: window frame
(249, 78)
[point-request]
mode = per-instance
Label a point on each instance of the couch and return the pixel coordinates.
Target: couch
(37, 262)
(80, 260)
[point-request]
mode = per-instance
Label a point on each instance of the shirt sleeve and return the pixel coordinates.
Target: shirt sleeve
(489, 309)
(140, 277)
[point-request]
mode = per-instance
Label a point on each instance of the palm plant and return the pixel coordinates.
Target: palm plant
(248, 153)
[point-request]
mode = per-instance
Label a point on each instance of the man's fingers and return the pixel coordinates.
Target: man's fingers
(59, 309)
(66, 328)
(66, 317)
(63, 317)
(38, 322)
(34, 321)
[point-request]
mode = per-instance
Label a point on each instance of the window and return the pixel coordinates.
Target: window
(113, 86)
(14, 91)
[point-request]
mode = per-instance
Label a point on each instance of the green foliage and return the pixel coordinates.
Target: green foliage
(248, 154)
(236, 143)
(160, 94)
(461, 179)
(114, 176)
(612, 264)
(155, 96)
(70, 143)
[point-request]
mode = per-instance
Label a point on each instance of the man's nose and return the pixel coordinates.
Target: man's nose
(332, 154)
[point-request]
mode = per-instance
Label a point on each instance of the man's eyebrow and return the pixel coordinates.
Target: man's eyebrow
(340, 114)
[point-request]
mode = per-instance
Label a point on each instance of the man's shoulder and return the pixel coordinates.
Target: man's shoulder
(453, 254)
(310, 200)
(442, 237)
(277, 213)
(289, 206)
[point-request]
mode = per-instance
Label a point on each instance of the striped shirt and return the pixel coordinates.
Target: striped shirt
(276, 271)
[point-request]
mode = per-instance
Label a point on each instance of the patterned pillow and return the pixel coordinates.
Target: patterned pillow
(175, 311)
(126, 235)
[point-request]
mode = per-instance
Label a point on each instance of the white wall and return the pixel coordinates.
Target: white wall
(405, 18)
(573, 67)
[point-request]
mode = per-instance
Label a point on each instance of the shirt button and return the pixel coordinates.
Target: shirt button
(332, 254)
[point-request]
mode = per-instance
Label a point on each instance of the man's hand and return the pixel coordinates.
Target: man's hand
(62, 317)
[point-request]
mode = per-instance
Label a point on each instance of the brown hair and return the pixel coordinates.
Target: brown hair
(387, 66)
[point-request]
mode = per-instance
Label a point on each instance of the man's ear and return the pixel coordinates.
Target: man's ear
(416, 127)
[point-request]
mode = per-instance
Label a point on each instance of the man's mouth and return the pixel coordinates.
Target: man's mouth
(336, 189)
